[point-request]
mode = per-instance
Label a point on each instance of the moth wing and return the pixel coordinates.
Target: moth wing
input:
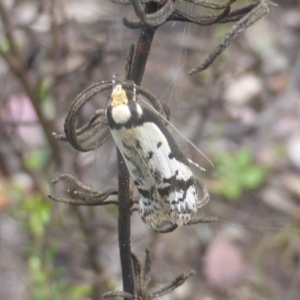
(151, 209)
(169, 168)
(160, 171)
(203, 194)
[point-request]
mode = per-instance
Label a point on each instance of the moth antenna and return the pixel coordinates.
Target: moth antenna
(114, 80)
(186, 139)
(196, 165)
(134, 92)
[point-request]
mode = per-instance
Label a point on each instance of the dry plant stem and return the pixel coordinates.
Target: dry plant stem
(141, 55)
(152, 19)
(16, 63)
(79, 102)
(137, 71)
(203, 21)
(239, 13)
(178, 281)
(124, 229)
(88, 197)
(142, 279)
(255, 14)
(210, 4)
(139, 278)
(128, 2)
(143, 48)
(84, 201)
(197, 221)
(55, 36)
(125, 208)
(78, 183)
(117, 294)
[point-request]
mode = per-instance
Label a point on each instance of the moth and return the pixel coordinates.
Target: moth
(162, 175)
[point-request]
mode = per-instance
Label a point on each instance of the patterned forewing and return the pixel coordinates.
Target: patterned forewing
(160, 171)
(170, 171)
(151, 210)
(167, 182)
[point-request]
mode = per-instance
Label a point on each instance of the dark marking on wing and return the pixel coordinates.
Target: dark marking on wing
(150, 155)
(158, 144)
(176, 185)
(157, 176)
(146, 213)
(171, 155)
(138, 144)
(164, 192)
(137, 171)
(148, 194)
(184, 185)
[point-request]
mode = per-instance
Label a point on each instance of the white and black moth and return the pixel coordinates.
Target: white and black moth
(169, 193)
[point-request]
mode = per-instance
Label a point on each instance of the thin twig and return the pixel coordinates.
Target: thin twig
(136, 74)
(254, 15)
(149, 20)
(178, 281)
(17, 65)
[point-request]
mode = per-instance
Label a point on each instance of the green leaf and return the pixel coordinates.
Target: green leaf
(232, 191)
(238, 172)
(81, 291)
(43, 89)
(4, 45)
(39, 212)
(254, 177)
(37, 158)
(243, 159)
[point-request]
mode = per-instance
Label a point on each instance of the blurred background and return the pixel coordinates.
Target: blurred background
(242, 113)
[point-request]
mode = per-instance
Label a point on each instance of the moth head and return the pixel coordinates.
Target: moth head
(118, 96)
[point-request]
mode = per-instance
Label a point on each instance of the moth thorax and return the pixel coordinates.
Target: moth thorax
(118, 96)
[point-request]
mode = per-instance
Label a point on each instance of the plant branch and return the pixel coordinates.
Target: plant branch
(135, 74)
(16, 63)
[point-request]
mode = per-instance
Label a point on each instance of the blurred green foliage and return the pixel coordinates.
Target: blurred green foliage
(38, 213)
(36, 159)
(237, 172)
(4, 45)
(48, 280)
(43, 89)
(45, 288)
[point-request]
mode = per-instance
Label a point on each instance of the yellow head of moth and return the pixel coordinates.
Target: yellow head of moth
(118, 96)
